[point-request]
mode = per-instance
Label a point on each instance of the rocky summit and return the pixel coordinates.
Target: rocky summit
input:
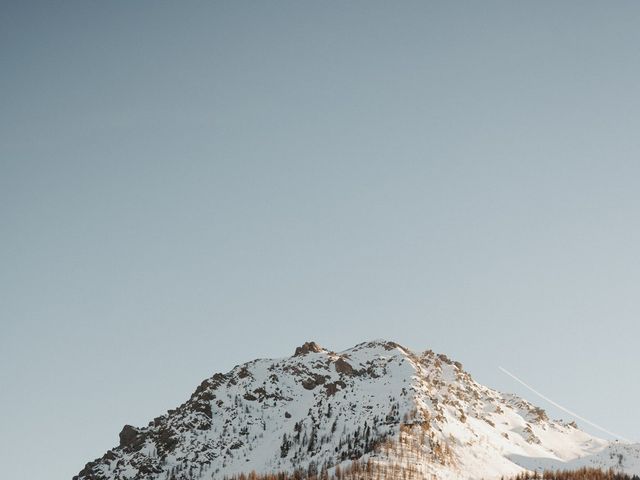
(378, 402)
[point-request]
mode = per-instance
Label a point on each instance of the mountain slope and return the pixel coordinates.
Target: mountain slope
(318, 408)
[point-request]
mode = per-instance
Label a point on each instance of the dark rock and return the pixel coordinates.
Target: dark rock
(342, 366)
(203, 407)
(131, 437)
(391, 345)
(110, 455)
(306, 348)
(312, 382)
(166, 441)
(332, 387)
(87, 471)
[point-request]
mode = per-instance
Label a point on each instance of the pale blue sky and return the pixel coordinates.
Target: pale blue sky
(187, 186)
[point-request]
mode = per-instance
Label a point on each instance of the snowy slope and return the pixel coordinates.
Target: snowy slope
(376, 401)
(623, 457)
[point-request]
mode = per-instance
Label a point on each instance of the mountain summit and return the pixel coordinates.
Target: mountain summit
(377, 402)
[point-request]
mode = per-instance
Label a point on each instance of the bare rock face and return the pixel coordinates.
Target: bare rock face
(130, 437)
(307, 347)
(342, 366)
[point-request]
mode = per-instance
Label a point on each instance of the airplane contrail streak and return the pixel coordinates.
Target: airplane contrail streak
(566, 410)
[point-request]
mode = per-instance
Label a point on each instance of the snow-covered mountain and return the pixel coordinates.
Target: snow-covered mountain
(377, 402)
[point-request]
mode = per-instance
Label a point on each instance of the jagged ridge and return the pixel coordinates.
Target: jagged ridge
(376, 402)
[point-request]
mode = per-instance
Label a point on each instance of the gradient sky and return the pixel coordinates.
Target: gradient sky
(188, 186)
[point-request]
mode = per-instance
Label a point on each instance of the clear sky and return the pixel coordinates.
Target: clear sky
(185, 186)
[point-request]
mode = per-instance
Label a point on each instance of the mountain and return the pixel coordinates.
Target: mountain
(377, 402)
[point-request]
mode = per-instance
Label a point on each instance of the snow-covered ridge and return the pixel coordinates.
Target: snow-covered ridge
(377, 400)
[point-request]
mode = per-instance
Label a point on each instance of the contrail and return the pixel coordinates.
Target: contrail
(566, 410)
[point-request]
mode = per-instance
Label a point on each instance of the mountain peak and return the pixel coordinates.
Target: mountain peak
(381, 342)
(308, 347)
(376, 401)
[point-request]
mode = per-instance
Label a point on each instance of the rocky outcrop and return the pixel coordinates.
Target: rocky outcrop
(342, 366)
(131, 438)
(307, 347)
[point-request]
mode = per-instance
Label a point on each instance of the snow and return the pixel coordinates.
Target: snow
(377, 401)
